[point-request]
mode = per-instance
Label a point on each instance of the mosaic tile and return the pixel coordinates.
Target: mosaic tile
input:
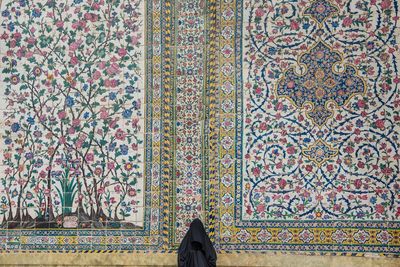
(275, 122)
(343, 151)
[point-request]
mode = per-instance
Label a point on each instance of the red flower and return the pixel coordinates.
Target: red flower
(379, 208)
(360, 164)
(282, 183)
(387, 171)
(309, 168)
(248, 210)
(260, 12)
(358, 183)
(361, 103)
(120, 135)
(294, 26)
(329, 167)
(347, 21)
(261, 208)
(349, 149)
(132, 192)
(263, 126)
(291, 150)
(380, 124)
(386, 4)
(256, 171)
(300, 207)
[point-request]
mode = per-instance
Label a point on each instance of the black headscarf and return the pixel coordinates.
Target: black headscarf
(196, 249)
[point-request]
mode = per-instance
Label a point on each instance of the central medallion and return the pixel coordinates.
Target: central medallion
(323, 82)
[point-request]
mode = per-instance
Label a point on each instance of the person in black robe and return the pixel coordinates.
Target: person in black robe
(196, 249)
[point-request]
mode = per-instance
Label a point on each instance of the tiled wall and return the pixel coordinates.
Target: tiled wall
(275, 122)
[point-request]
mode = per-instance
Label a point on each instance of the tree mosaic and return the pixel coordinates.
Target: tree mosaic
(74, 123)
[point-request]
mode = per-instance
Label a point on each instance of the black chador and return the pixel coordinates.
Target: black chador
(196, 249)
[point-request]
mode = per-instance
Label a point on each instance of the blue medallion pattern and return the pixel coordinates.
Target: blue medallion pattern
(320, 152)
(320, 10)
(324, 81)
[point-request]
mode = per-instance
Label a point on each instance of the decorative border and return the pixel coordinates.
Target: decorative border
(211, 118)
(167, 108)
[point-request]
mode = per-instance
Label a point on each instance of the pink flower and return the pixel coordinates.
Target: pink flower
(380, 124)
(29, 54)
(78, 143)
(110, 165)
(282, 183)
(132, 192)
(358, 183)
(379, 208)
(260, 208)
(96, 75)
(97, 171)
(103, 114)
(120, 135)
(47, 192)
(122, 52)
(291, 150)
(101, 190)
(309, 168)
(329, 167)
(347, 21)
(256, 171)
(113, 69)
(62, 140)
(74, 61)
(248, 210)
(60, 24)
(111, 83)
(263, 126)
(31, 40)
(260, 12)
(387, 171)
(361, 103)
(117, 189)
(134, 147)
(89, 157)
(386, 4)
(349, 149)
(279, 165)
(75, 45)
(135, 39)
(76, 122)
(294, 25)
(17, 35)
(102, 65)
(62, 115)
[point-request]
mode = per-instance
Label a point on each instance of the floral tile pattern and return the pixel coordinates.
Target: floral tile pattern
(81, 138)
(275, 122)
(309, 142)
